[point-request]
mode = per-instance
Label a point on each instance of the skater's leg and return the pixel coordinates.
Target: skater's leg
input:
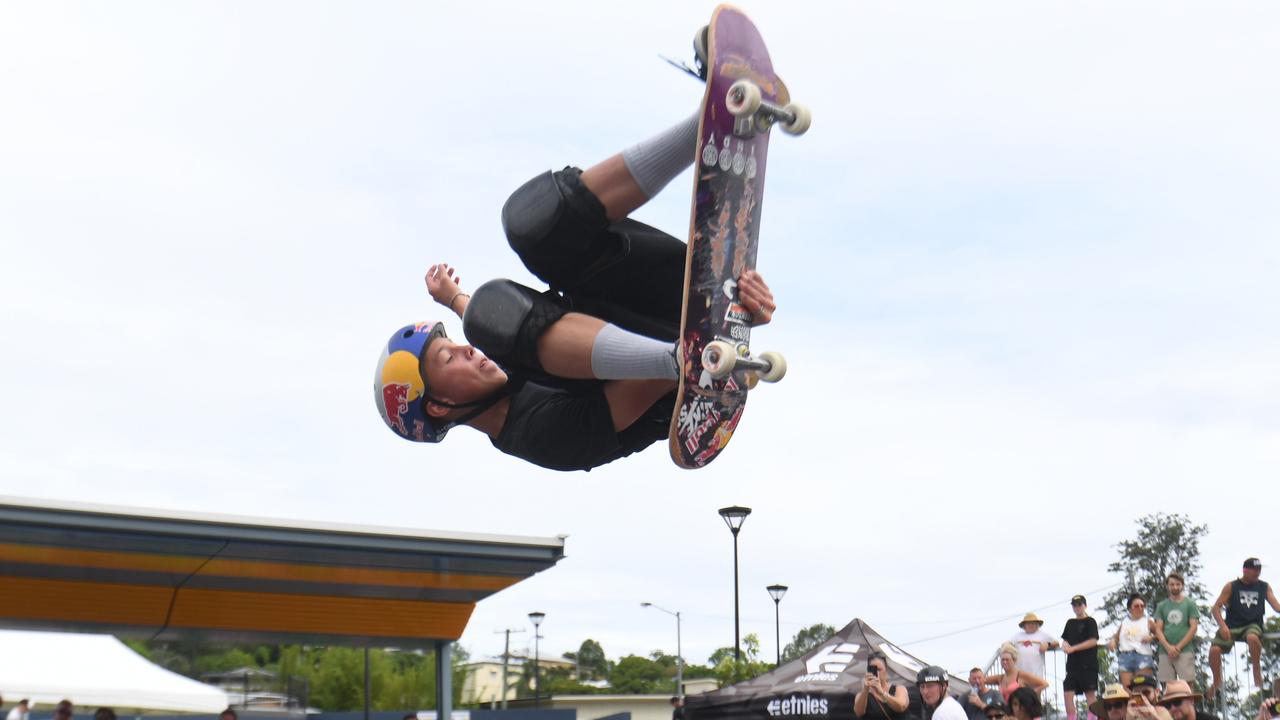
(579, 346)
(629, 179)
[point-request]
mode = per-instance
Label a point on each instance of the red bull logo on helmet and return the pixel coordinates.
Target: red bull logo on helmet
(398, 385)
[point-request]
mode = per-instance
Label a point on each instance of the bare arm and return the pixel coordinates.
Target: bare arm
(1193, 626)
(1271, 598)
(445, 286)
(898, 700)
(1035, 682)
(1223, 598)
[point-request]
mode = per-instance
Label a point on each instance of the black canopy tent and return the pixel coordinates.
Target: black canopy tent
(818, 685)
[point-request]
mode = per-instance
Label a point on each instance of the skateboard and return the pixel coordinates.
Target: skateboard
(743, 100)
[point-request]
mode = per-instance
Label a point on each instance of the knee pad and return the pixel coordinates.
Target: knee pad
(554, 207)
(505, 319)
(532, 212)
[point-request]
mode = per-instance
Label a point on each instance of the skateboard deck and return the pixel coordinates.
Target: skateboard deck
(729, 172)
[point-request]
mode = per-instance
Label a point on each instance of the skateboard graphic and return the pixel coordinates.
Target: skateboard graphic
(743, 100)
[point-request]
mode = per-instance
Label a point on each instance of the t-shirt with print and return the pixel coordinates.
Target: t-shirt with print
(1176, 617)
(1030, 658)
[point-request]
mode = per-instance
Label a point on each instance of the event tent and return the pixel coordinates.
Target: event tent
(818, 685)
(95, 671)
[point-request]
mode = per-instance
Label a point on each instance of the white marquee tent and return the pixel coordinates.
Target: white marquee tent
(95, 671)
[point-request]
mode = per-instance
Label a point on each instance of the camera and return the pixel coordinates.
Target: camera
(873, 670)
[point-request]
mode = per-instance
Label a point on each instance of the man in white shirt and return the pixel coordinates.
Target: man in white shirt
(933, 684)
(1032, 644)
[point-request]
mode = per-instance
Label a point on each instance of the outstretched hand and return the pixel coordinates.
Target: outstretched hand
(756, 297)
(444, 284)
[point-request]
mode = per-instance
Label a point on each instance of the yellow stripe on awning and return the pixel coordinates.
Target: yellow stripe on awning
(251, 569)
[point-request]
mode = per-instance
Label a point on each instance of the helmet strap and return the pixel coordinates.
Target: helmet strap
(511, 387)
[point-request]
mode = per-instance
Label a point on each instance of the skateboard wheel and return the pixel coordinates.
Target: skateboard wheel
(800, 124)
(777, 366)
(718, 359)
(743, 98)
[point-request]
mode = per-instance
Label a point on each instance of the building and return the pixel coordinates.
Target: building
(483, 683)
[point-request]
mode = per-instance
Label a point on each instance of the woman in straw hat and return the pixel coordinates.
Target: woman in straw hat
(1012, 678)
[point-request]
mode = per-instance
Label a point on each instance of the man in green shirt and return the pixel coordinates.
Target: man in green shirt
(1176, 621)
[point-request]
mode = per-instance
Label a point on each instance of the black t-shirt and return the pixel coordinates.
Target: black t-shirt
(1078, 630)
(570, 428)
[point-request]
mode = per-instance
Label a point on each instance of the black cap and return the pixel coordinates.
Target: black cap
(1141, 681)
(1078, 600)
(933, 673)
(1253, 564)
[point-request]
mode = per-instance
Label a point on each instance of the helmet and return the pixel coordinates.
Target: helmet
(994, 700)
(933, 673)
(398, 384)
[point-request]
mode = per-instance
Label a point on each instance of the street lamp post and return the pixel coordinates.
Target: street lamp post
(536, 618)
(776, 592)
(734, 516)
(679, 652)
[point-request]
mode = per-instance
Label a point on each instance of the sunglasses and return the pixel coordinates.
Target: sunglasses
(1116, 704)
(994, 715)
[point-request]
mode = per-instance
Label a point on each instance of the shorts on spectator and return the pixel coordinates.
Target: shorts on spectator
(1237, 634)
(1131, 662)
(1081, 682)
(1182, 667)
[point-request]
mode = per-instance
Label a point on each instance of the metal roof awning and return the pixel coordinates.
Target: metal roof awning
(66, 566)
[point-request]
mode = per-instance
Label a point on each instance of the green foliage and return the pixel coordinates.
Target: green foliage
(334, 675)
(1165, 543)
(592, 664)
(640, 675)
(807, 639)
(730, 670)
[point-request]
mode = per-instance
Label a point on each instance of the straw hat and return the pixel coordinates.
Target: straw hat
(1113, 692)
(1030, 618)
(1178, 690)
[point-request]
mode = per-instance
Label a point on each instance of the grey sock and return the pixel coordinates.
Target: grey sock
(617, 354)
(656, 161)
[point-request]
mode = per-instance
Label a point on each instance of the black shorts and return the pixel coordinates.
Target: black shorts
(1080, 681)
(625, 272)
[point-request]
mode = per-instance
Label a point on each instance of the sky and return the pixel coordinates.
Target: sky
(1025, 262)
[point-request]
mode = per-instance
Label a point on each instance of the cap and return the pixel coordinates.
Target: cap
(1253, 564)
(1078, 600)
(1141, 681)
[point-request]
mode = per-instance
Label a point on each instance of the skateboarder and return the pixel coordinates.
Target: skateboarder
(584, 372)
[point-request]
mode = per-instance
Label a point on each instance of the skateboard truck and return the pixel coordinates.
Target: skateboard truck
(720, 358)
(752, 113)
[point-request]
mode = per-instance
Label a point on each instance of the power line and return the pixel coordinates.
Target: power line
(1004, 619)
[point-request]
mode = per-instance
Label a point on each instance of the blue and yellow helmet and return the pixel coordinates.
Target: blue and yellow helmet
(399, 387)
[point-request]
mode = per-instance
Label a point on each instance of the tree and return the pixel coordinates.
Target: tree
(635, 675)
(806, 640)
(1164, 544)
(729, 670)
(592, 664)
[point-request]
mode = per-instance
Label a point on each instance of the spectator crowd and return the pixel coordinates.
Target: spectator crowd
(1154, 659)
